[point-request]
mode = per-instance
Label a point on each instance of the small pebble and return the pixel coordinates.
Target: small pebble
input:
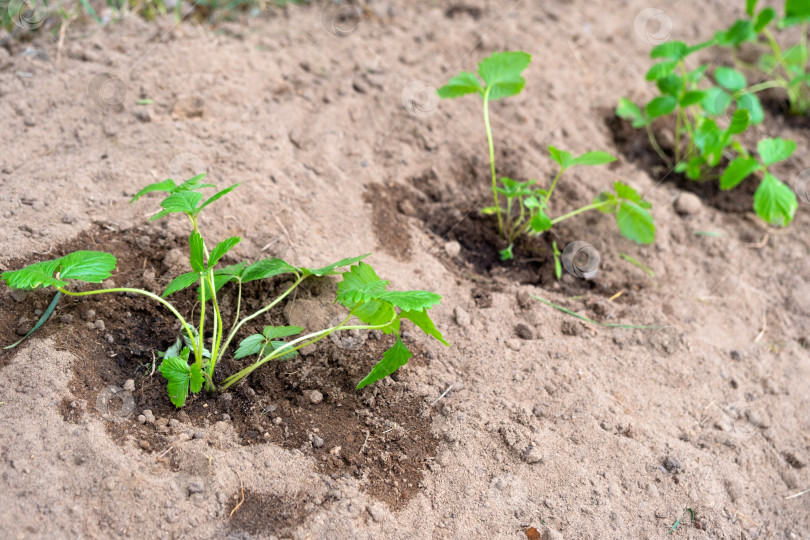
(18, 295)
(129, 385)
(462, 317)
(68, 219)
(144, 444)
(24, 328)
(672, 464)
(90, 325)
(317, 442)
(376, 513)
(523, 331)
(147, 413)
(277, 420)
(174, 423)
(67, 318)
(141, 419)
(225, 417)
(407, 208)
(109, 338)
(513, 344)
(314, 396)
(108, 483)
(89, 315)
(688, 204)
(99, 324)
(532, 455)
(196, 487)
(452, 248)
(335, 450)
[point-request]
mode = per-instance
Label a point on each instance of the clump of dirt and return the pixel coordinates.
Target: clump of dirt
(380, 435)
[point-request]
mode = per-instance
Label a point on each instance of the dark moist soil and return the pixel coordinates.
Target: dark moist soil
(635, 146)
(455, 217)
(380, 434)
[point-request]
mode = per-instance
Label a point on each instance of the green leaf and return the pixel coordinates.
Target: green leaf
(797, 8)
(661, 70)
(196, 257)
(716, 101)
(217, 196)
(739, 122)
(610, 198)
(730, 78)
(750, 6)
(506, 254)
(393, 359)
(630, 111)
(489, 210)
(627, 192)
(411, 300)
(178, 374)
(182, 201)
(329, 269)
(694, 168)
(661, 106)
(540, 222)
(592, 158)
(752, 104)
(196, 381)
(193, 184)
(89, 266)
(462, 84)
(360, 284)
(266, 268)
(741, 31)
(764, 18)
(513, 188)
(635, 222)
(691, 97)
(181, 282)
(221, 249)
(562, 157)
(424, 322)
(775, 150)
(249, 346)
(502, 73)
(375, 312)
(166, 185)
(774, 201)
(673, 50)
(738, 170)
(286, 356)
(671, 84)
(273, 332)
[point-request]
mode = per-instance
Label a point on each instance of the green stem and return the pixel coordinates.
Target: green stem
(763, 86)
(492, 161)
(288, 348)
(554, 184)
(217, 325)
(138, 291)
(656, 147)
(256, 314)
(592, 206)
(198, 352)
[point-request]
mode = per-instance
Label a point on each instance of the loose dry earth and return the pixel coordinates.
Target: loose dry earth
(546, 422)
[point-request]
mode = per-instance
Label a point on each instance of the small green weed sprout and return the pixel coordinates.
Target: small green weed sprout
(526, 203)
(712, 112)
(188, 364)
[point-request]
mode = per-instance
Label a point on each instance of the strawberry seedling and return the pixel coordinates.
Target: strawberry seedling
(710, 115)
(526, 204)
(781, 67)
(188, 364)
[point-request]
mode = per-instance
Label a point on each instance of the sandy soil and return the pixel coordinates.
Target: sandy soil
(576, 430)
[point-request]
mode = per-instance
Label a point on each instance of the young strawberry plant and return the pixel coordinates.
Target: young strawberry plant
(710, 114)
(781, 67)
(526, 203)
(189, 364)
